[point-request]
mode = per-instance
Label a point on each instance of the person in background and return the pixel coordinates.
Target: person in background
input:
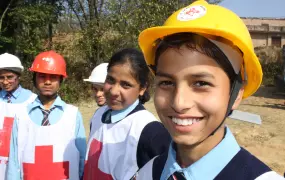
(10, 72)
(205, 64)
(124, 135)
(11, 93)
(48, 138)
(97, 79)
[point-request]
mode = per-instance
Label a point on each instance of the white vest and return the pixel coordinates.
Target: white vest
(112, 148)
(7, 114)
(48, 151)
(30, 99)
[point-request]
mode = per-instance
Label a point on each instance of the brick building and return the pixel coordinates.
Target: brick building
(266, 32)
(265, 19)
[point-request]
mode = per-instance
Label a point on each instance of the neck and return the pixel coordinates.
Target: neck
(187, 155)
(13, 90)
(47, 101)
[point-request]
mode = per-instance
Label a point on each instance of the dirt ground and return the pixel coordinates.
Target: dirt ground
(266, 141)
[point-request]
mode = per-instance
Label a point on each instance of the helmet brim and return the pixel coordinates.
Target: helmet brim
(149, 37)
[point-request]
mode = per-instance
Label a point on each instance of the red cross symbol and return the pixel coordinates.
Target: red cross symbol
(5, 136)
(91, 170)
(192, 11)
(44, 168)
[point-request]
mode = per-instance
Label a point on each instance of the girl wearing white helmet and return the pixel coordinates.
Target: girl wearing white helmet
(205, 65)
(10, 72)
(97, 78)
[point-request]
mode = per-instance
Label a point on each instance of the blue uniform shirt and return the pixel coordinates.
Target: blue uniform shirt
(121, 114)
(20, 95)
(36, 116)
(222, 154)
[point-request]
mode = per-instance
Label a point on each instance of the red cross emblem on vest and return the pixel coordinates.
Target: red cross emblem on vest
(91, 170)
(5, 136)
(44, 168)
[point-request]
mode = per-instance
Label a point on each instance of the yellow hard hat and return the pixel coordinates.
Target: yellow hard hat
(212, 20)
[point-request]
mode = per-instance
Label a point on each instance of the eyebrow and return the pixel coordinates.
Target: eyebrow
(162, 74)
(196, 75)
(203, 75)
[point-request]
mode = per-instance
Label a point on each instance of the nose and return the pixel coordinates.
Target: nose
(47, 79)
(99, 93)
(182, 100)
(5, 81)
(115, 90)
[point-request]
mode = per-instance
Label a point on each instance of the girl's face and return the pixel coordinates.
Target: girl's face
(191, 94)
(98, 94)
(121, 88)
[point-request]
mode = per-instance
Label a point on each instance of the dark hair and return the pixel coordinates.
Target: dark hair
(197, 43)
(139, 68)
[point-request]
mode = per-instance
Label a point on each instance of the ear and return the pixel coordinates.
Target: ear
(238, 99)
(142, 90)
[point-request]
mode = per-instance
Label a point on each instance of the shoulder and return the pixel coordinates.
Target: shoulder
(271, 175)
(152, 170)
(142, 117)
(145, 173)
(155, 129)
(253, 163)
(27, 91)
(101, 110)
(244, 166)
(70, 106)
(98, 114)
(72, 110)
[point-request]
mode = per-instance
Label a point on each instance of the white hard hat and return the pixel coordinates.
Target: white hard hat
(11, 62)
(98, 74)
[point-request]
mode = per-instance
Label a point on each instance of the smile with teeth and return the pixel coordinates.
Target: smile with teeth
(185, 122)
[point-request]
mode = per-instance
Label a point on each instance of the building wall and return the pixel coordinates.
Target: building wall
(259, 39)
(271, 22)
(264, 38)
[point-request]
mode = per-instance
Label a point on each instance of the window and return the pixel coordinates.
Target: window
(276, 41)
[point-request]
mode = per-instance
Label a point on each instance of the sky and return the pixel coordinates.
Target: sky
(256, 8)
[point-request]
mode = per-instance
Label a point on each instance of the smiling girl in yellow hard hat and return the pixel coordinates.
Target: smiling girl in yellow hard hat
(205, 65)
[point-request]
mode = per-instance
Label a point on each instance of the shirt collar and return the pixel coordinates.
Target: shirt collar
(210, 165)
(15, 93)
(38, 104)
(121, 114)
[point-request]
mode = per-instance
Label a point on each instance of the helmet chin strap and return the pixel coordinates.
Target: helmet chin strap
(237, 85)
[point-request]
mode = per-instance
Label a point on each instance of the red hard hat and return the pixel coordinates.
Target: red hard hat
(49, 62)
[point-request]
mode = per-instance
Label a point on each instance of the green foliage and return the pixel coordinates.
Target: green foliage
(270, 59)
(73, 87)
(87, 32)
(5, 40)
(270, 71)
(31, 33)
